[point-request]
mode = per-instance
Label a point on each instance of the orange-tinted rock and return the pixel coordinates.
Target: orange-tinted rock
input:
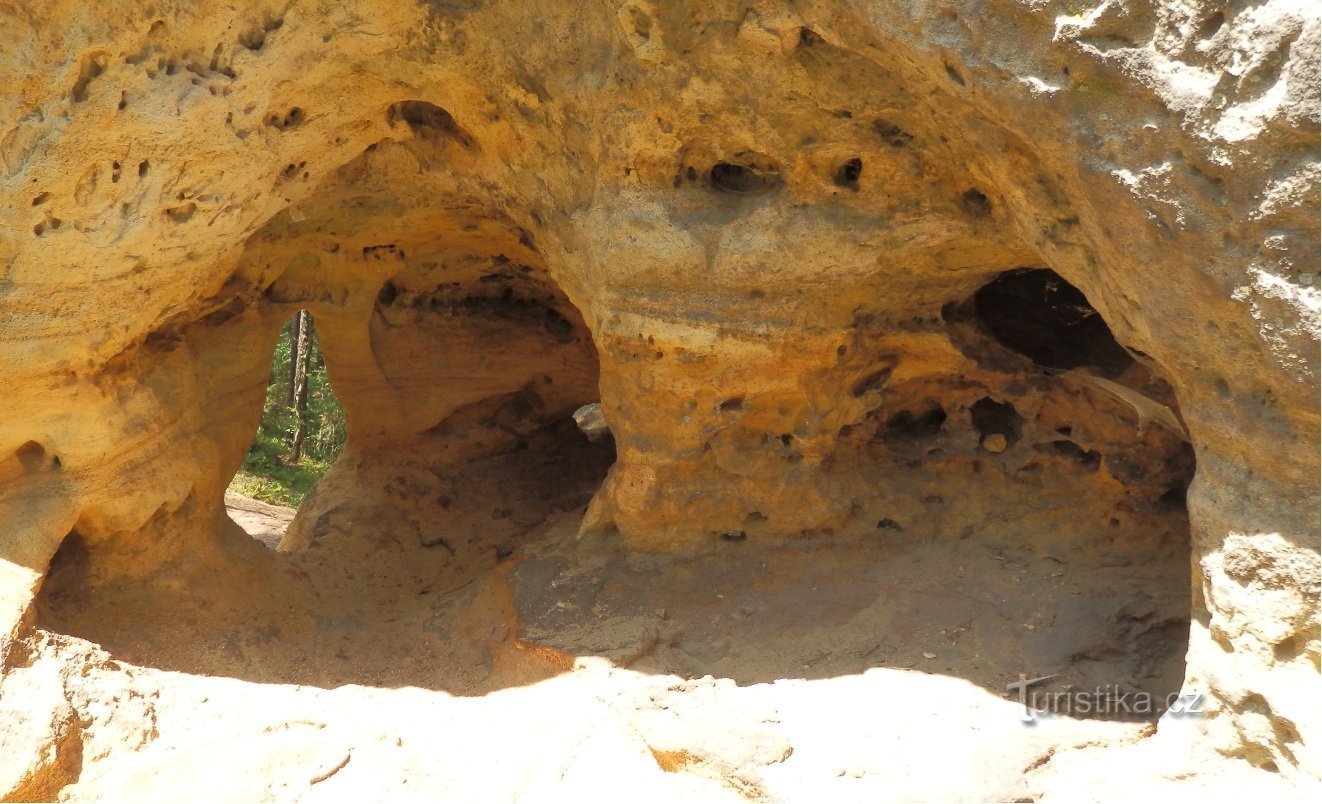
(756, 236)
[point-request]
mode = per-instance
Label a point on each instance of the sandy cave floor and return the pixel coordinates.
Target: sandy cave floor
(861, 669)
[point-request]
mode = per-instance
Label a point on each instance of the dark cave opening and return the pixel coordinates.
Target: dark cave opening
(1050, 460)
(1035, 312)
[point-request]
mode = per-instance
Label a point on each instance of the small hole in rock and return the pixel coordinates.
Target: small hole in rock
(891, 134)
(428, 121)
(872, 382)
(989, 416)
(808, 37)
(182, 213)
(91, 67)
(975, 203)
(847, 174)
(253, 39)
(1089, 458)
(744, 179)
(910, 425)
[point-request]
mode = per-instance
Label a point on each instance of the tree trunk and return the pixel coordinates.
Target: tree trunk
(301, 384)
(293, 356)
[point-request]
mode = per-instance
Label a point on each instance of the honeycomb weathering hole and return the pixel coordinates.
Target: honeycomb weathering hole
(428, 121)
(746, 174)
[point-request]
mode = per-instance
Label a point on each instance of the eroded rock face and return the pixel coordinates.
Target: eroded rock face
(756, 234)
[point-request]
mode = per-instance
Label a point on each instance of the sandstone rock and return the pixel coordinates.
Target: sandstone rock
(762, 237)
(40, 734)
(264, 522)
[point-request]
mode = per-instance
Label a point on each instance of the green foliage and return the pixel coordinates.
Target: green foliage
(267, 473)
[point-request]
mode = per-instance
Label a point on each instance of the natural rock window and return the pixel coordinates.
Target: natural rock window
(459, 364)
